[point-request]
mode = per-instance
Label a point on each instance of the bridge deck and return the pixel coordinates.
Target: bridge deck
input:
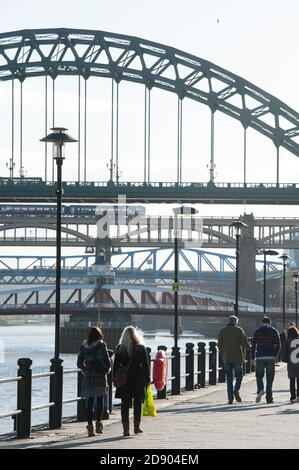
(194, 420)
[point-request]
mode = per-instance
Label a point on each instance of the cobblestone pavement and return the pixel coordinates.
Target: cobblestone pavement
(195, 420)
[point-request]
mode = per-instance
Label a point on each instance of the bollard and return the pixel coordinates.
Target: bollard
(23, 420)
(148, 352)
(56, 393)
(176, 371)
(81, 408)
(108, 391)
(212, 363)
(221, 372)
(201, 364)
(162, 393)
(190, 366)
(252, 368)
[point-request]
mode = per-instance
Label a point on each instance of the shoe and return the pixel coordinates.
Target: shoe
(237, 396)
(259, 396)
(90, 430)
(230, 402)
(270, 402)
(293, 400)
(137, 428)
(99, 427)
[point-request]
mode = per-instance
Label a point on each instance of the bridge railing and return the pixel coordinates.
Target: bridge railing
(198, 366)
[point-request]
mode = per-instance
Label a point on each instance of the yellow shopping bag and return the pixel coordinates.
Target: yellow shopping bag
(148, 408)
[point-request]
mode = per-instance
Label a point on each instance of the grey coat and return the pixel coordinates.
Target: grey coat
(94, 361)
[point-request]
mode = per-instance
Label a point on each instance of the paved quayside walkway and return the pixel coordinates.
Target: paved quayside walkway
(195, 420)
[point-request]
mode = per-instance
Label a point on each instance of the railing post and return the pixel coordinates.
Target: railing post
(221, 372)
(190, 366)
(149, 357)
(201, 364)
(81, 408)
(163, 393)
(56, 393)
(176, 371)
(23, 420)
(108, 391)
(212, 363)
(252, 368)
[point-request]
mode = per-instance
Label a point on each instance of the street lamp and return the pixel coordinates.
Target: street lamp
(183, 210)
(265, 253)
(284, 258)
(296, 276)
(238, 225)
(59, 138)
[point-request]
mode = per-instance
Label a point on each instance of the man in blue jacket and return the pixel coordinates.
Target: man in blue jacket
(265, 347)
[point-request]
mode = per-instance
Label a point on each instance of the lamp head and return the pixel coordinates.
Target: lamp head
(285, 258)
(238, 225)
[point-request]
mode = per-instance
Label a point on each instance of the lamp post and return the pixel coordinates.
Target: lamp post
(296, 276)
(183, 210)
(59, 138)
(284, 258)
(265, 253)
(237, 225)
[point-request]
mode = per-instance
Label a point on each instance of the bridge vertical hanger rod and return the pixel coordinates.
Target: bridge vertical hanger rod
(79, 128)
(179, 142)
(53, 125)
(277, 165)
(46, 126)
(245, 154)
(12, 125)
(145, 136)
(212, 159)
(149, 138)
(116, 133)
(112, 131)
(85, 126)
(21, 130)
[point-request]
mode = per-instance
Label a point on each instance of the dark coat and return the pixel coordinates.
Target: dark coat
(138, 375)
(94, 361)
(232, 342)
(289, 355)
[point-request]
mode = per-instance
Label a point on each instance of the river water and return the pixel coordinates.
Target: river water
(37, 342)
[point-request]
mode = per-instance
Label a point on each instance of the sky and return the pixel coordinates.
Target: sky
(257, 40)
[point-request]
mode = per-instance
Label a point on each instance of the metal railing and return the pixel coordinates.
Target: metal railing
(201, 366)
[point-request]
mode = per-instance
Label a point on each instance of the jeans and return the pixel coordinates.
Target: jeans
(229, 368)
(125, 405)
(99, 408)
(260, 366)
(293, 392)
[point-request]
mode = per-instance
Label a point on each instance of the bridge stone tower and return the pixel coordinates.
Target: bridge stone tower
(247, 277)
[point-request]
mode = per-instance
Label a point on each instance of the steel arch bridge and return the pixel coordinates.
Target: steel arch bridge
(85, 53)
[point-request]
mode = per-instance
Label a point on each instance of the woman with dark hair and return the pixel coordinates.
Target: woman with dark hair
(291, 357)
(94, 361)
(132, 354)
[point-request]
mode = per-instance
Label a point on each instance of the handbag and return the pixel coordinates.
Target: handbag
(120, 376)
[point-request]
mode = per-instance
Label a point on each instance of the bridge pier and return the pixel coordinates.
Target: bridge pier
(247, 287)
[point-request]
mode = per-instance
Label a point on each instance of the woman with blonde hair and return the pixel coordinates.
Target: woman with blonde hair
(94, 361)
(131, 354)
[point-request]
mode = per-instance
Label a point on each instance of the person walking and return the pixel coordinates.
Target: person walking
(265, 348)
(290, 355)
(232, 341)
(94, 361)
(131, 354)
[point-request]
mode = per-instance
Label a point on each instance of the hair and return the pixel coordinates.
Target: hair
(233, 320)
(292, 332)
(130, 339)
(95, 334)
(267, 320)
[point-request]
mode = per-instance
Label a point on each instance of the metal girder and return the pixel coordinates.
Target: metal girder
(66, 51)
